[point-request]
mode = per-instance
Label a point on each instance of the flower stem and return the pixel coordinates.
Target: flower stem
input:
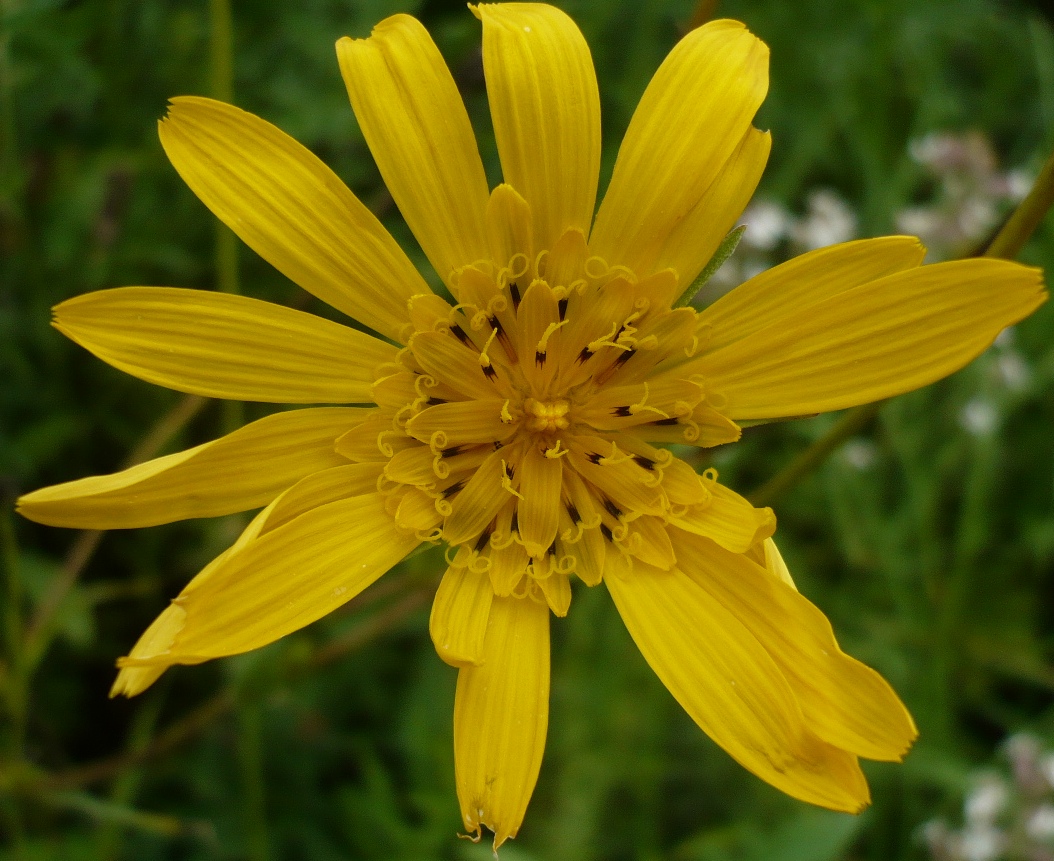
(1028, 215)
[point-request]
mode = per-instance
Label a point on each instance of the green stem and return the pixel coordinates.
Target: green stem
(849, 425)
(1028, 215)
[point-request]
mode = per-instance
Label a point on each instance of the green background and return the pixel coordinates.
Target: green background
(934, 561)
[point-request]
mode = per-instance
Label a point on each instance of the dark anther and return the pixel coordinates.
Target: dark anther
(612, 509)
(454, 488)
(665, 422)
(497, 445)
(595, 458)
(489, 372)
(622, 412)
(515, 525)
(539, 359)
(575, 516)
(450, 452)
(435, 401)
(584, 355)
(459, 333)
(552, 549)
(562, 306)
(481, 542)
(514, 291)
(606, 532)
(625, 357)
(510, 470)
(643, 461)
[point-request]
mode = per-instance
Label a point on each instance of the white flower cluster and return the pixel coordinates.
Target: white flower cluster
(1008, 815)
(969, 196)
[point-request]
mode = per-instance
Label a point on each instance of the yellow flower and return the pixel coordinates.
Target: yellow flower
(524, 426)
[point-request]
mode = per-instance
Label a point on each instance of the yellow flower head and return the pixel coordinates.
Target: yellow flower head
(524, 425)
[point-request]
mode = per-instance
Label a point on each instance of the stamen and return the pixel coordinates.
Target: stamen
(642, 406)
(542, 348)
(612, 509)
(544, 342)
(645, 462)
(506, 482)
(615, 457)
(484, 359)
(514, 292)
(606, 341)
(555, 451)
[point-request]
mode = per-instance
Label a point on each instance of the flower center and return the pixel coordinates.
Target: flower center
(547, 416)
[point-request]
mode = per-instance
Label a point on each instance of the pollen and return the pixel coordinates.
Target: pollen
(547, 416)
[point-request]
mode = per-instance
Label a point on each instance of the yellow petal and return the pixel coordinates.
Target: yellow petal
(775, 565)
(479, 502)
(845, 703)
(690, 120)
(140, 668)
(315, 490)
(874, 341)
(460, 423)
(540, 480)
(459, 616)
(292, 210)
(442, 356)
(134, 677)
(245, 469)
(803, 281)
(509, 225)
(286, 579)
(693, 242)
(545, 106)
(731, 687)
(501, 713)
(729, 519)
(224, 346)
(415, 123)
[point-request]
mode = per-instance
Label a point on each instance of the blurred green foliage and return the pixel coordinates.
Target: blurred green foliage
(927, 540)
